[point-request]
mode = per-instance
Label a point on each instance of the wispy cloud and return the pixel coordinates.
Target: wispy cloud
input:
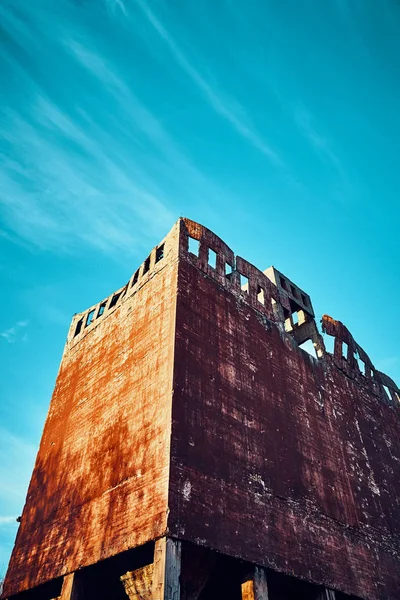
(16, 333)
(323, 147)
(6, 520)
(223, 104)
(79, 174)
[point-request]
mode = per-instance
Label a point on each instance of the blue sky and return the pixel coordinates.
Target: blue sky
(275, 124)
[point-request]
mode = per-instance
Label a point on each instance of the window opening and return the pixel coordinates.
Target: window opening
(294, 291)
(114, 300)
(260, 295)
(212, 258)
(135, 278)
(194, 246)
(244, 283)
(387, 391)
(309, 347)
(304, 300)
(78, 327)
(228, 271)
(283, 283)
(329, 342)
(146, 265)
(160, 253)
(90, 317)
(295, 318)
(102, 308)
(361, 363)
(345, 351)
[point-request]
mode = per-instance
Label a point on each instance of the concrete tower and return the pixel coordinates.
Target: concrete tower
(194, 451)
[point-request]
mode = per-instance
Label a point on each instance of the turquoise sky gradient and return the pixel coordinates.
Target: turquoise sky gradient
(274, 123)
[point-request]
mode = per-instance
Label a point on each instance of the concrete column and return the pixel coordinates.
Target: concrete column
(68, 590)
(167, 569)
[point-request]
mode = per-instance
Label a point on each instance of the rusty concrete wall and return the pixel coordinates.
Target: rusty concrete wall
(276, 457)
(100, 482)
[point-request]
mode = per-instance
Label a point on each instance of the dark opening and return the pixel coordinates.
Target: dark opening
(90, 317)
(114, 300)
(224, 581)
(212, 258)
(304, 300)
(193, 246)
(244, 283)
(78, 327)
(146, 265)
(46, 591)
(103, 580)
(135, 278)
(283, 283)
(283, 587)
(159, 253)
(294, 291)
(102, 308)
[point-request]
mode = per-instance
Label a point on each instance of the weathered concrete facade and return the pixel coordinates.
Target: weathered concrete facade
(192, 443)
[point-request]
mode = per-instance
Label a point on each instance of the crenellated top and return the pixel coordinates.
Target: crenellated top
(355, 362)
(210, 254)
(270, 292)
(83, 323)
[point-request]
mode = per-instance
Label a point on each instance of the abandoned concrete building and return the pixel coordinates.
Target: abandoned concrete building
(193, 450)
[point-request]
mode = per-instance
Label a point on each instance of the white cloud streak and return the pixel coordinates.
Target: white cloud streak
(224, 105)
(15, 333)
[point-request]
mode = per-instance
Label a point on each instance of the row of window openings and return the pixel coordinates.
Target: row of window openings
(194, 247)
(91, 314)
(293, 291)
(146, 264)
(362, 366)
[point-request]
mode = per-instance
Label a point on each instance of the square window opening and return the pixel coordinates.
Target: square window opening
(102, 308)
(244, 283)
(193, 246)
(387, 391)
(160, 253)
(78, 327)
(345, 351)
(90, 317)
(146, 265)
(228, 271)
(361, 363)
(304, 300)
(295, 318)
(212, 258)
(260, 295)
(294, 291)
(135, 278)
(114, 300)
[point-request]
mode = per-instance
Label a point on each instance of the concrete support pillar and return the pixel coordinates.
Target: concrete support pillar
(68, 590)
(255, 587)
(167, 569)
